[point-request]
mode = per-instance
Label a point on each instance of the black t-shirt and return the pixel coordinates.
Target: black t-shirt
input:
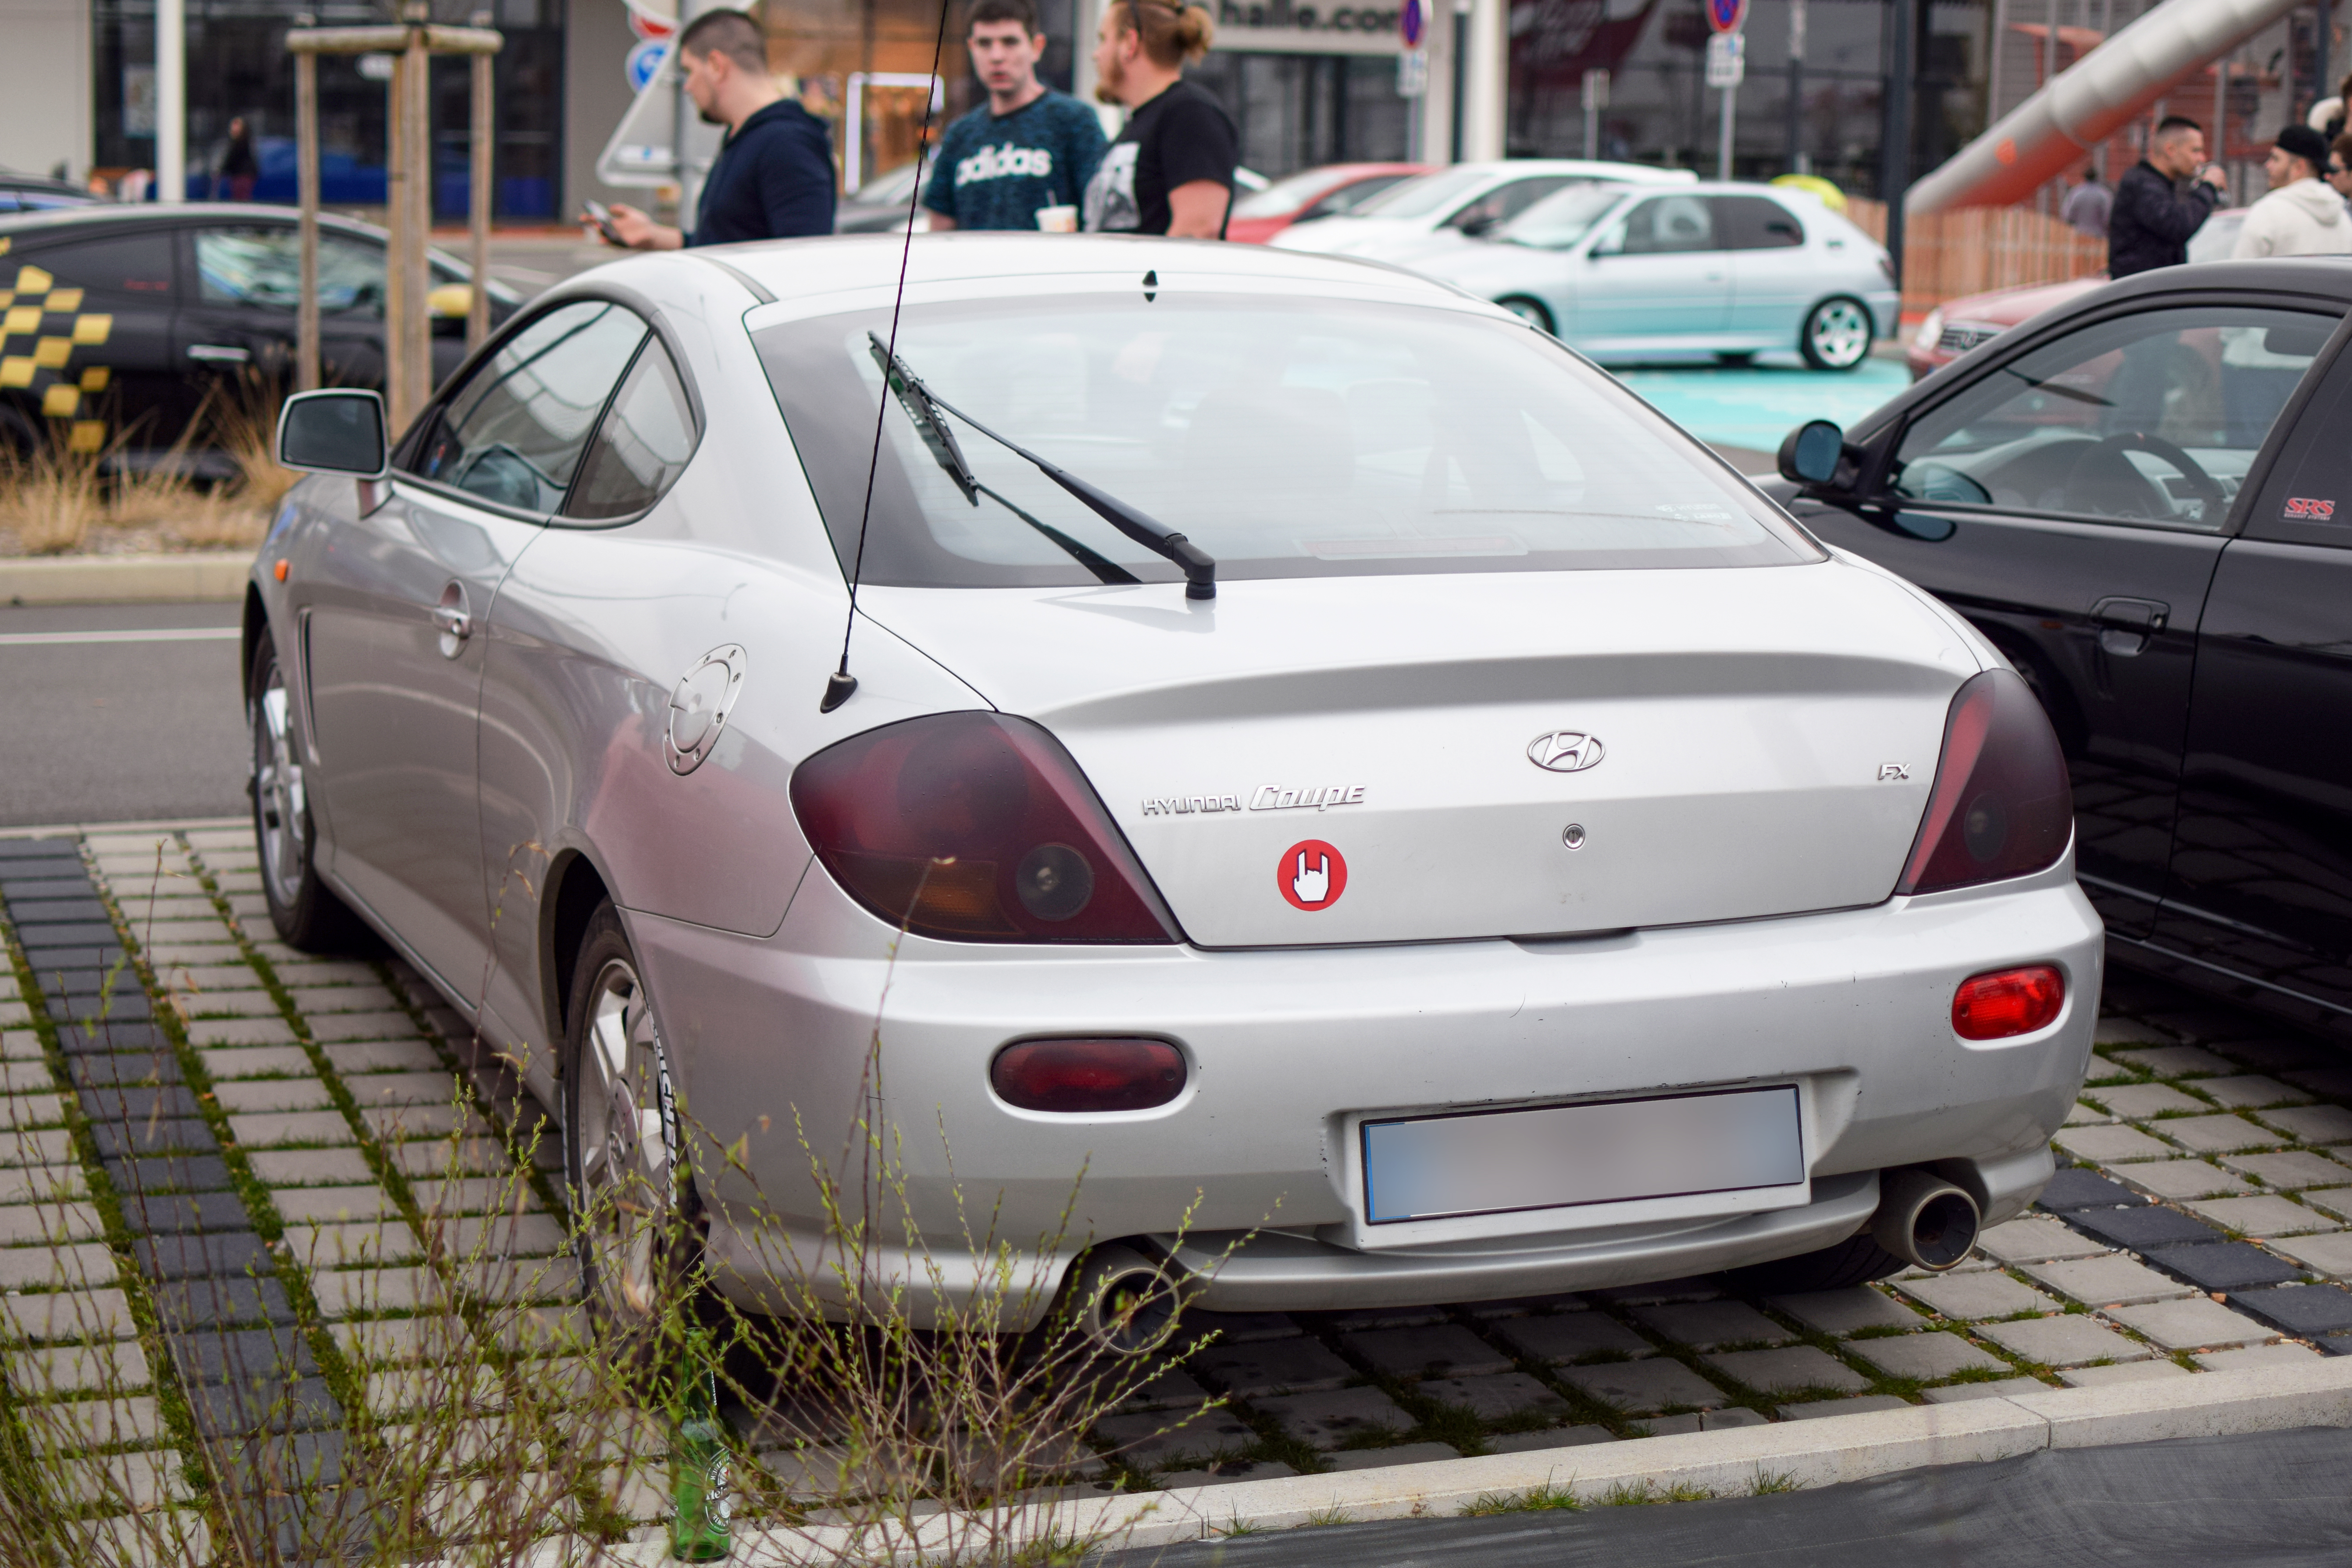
(1183, 135)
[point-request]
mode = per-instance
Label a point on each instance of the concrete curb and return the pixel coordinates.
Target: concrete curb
(124, 579)
(1816, 1453)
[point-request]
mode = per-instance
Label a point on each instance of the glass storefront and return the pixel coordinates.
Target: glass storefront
(237, 66)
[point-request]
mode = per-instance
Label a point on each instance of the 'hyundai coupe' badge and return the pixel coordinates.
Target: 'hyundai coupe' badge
(1564, 751)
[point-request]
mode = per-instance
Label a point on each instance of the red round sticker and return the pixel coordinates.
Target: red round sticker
(1312, 874)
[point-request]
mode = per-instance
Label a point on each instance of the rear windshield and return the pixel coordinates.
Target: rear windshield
(1287, 437)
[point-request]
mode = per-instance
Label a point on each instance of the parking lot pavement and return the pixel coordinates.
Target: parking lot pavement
(297, 1106)
(120, 713)
(1752, 407)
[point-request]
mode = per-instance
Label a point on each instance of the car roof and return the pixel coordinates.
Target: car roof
(1001, 263)
(1593, 168)
(31, 224)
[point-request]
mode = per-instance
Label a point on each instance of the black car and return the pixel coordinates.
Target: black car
(2143, 499)
(119, 319)
(40, 194)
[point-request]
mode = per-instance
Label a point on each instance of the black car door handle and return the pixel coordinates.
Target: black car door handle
(2126, 624)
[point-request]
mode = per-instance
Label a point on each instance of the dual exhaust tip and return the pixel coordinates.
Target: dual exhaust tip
(1129, 1302)
(1924, 1219)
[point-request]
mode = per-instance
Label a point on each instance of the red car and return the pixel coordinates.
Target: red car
(1955, 327)
(1313, 193)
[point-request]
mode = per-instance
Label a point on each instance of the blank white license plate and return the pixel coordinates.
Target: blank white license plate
(1595, 1151)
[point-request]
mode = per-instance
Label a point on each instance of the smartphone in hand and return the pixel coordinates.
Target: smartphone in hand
(601, 215)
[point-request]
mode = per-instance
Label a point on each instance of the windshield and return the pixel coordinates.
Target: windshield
(1561, 219)
(1286, 195)
(1287, 437)
(1429, 194)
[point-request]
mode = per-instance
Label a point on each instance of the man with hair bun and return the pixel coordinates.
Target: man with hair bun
(1172, 170)
(1028, 149)
(773, 179)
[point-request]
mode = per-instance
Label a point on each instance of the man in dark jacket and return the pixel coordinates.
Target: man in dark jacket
(773, 179)
(2153, 216)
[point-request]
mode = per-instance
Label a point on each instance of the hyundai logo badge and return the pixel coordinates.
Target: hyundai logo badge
(1564, 751)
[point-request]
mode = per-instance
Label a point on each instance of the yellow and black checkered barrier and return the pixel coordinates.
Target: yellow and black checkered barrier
(50, 323)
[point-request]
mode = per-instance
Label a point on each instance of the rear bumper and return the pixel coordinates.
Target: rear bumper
(1290, 1050)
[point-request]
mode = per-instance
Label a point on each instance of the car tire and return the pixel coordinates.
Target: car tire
(1837, 333)
(1532, 312)
(305, 913)
(1857, 1260)
(637, 1220)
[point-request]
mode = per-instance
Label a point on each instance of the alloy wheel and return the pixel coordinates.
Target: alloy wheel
(623, 1164)
(1839, 334)
(281, 808)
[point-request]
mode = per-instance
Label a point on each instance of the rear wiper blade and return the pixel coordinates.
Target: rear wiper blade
(1200, 568)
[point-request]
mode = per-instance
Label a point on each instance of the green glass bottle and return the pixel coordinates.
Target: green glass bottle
(702, 1468)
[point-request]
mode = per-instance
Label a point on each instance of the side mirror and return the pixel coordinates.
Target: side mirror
(1811, 453)
(338, 431)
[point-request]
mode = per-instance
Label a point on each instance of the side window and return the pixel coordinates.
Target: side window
(1756, 222)
(1503, 203)
(2308, 496)
(261, 265)
(123, 268)
(1348, 197)
(513, 433)
(2152, 417)
(1664, 225)
(641, 447)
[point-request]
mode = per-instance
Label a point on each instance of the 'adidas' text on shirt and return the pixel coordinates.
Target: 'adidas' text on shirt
(1004, 162)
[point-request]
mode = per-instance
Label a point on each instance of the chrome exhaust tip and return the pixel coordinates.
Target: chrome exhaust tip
(1925, 1220)
(1124, 1301)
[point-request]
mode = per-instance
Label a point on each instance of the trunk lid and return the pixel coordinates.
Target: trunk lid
(1732, 743)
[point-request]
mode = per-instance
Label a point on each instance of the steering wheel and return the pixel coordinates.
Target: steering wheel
(2104, 480)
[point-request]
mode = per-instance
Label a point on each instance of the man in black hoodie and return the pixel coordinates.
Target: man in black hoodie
(2153, 216)
(773, 179)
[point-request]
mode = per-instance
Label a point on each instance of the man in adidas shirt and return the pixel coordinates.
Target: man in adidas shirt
(1027, 147)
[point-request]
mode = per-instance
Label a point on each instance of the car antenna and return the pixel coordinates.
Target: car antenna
(841, 685)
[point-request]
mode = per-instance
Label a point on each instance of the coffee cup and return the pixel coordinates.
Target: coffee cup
(1058, 220)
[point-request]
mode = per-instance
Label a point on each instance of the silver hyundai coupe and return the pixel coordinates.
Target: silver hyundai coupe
(1283, 737)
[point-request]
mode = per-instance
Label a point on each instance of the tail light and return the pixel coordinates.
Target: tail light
(2001, 806)
(1087, 1075)
(975, 827)
(2008, 1002)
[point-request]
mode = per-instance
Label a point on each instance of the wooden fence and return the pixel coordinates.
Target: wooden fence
(1969, 250)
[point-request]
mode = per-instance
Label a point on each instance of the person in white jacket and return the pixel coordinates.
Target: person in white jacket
(2302, 216)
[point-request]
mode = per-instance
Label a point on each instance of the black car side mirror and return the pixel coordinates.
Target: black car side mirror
(337, 431)
(1812, 453)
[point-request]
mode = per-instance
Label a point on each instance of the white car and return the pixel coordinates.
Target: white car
(1437, 210)
(1310, 749)
(1721, 269)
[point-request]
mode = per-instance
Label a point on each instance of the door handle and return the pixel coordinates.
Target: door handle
(220, 353)
(2126, 624)
(454, 619)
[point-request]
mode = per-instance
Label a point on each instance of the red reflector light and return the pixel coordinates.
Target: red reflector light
(2001, 806)
(975, 827)
(1087, 1075)
(2008, 1002)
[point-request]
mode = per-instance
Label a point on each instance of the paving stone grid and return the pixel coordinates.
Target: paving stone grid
(228, 1144)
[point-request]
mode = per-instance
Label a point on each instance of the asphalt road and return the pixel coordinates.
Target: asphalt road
(110, 727)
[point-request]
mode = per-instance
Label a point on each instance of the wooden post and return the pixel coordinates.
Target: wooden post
(398, 400)
(477, 311)
(306, 180)
(416, 347)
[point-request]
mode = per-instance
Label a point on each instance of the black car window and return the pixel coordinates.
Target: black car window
(1756, 222)
(2146, 418)
(261, 265)
(513, 433)
(642, 445)
(2308, 499)
(1666, 225)
(123, 268)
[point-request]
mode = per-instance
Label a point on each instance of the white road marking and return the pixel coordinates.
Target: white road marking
(157, 634)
